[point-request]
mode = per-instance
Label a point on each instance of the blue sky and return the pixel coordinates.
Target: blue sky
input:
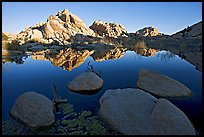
(168, 17)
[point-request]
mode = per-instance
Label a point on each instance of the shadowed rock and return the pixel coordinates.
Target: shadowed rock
(86, 82)
(167, 119)
(161, 85)
(135, 112)
(33, 109)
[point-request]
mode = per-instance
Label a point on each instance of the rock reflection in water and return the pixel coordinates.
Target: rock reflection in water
(166, 56)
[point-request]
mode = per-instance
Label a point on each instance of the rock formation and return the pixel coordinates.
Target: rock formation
(34, 110)
(108, 29)
(135, 112)
(87, 81)
(194, 31)
(101, 54)
(161, 85)
(148, 31)
(69, 58)
(57, 29)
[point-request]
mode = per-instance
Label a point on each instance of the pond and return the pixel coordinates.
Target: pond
(39, 75)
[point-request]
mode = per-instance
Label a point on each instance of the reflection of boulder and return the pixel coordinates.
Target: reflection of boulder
(38, 57)
(194, 58)
(69, 58)
(145, 51)
(102, 54)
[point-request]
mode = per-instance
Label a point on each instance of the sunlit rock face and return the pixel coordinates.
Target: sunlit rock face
(69, 58)
(148, 31)
(108, 29)
(58, 29)
(194, 31)
(104, 53)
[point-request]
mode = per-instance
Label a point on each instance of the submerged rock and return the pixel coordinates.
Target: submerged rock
(33, 109)
(85, 82)
(135, 112)
(161, 85)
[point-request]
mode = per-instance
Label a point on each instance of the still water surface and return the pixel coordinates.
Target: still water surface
(39, 75)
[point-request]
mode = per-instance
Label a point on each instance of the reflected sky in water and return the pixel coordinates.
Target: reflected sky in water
(39, 75)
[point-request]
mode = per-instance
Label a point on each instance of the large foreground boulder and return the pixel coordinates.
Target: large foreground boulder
(161, 85)
(86, 82)
(135, 112)
(34, 110)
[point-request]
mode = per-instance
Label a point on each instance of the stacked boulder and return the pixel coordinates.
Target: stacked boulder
(108, 29)
(148, 31)
(58, 29)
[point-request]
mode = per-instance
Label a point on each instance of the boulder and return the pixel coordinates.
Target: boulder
(167, 119)
(135, 112)
(34, 110)
(108, 29)
(148, 31)
(127, 110)
(194, 31)
(86, 82)
(36, 34)
(58, 27)
(161, 85)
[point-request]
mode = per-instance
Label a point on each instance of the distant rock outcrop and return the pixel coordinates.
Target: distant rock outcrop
(108, 29)
(194, 31)
(57, 29)
(148, 31)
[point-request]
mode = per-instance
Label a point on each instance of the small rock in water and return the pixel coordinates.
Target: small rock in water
(85, 82)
